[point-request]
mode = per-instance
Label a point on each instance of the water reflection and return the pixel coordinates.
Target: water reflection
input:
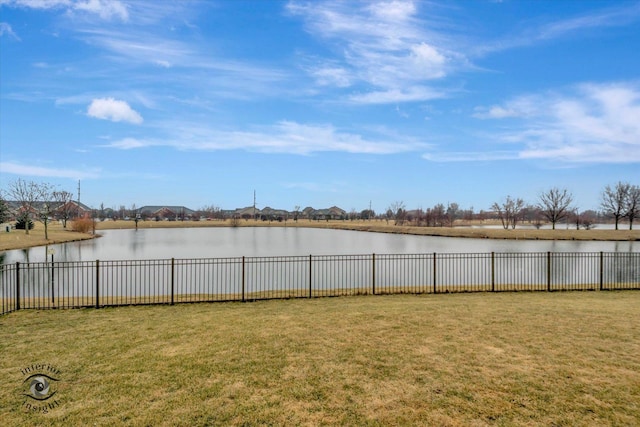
(275, 241)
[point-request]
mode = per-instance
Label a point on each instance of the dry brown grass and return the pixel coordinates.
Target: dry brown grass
(446, 360)
(18, 239)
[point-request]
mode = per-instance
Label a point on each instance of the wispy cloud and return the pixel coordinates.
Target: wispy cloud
(619, 15)
(31, 170)
(380, 44)
(5, 29)
(104, 9)
(589, 123)
(114, 110)
(282, 137)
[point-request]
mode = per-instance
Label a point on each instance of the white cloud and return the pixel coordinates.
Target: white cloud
(6, 29)
(105, 9)
(409, 94)
(30, 170)
(114, 110)
(591, 123)
(38, 4)
(383, 45)
(282, 137)
(471, 156)
(621, 14)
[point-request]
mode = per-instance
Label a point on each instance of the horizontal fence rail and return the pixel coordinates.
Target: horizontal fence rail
(46, 285)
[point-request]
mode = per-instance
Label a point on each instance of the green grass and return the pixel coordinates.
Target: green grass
(464, 359)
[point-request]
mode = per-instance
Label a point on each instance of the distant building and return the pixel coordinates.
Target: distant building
(166, 213)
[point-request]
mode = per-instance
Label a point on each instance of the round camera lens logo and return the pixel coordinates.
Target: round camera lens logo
(40, 387)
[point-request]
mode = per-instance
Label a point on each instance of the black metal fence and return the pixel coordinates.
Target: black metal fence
(45, 285)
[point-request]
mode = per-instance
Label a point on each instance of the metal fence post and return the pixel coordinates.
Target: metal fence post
(53, 281)
(549, 271)
(17, 286)
(373, 274)
(310, 278)
(243, 278)
(493, 271)
(97, 283)
(435, 291)
(601, 270)
(173, 265)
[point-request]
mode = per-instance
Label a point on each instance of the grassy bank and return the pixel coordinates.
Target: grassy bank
(498, 359)
(17, 239)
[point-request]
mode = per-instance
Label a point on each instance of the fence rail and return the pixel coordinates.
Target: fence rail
(45, 285)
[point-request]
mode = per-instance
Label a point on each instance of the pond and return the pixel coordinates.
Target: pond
(284, 241)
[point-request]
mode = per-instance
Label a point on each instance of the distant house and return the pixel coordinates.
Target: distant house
(270, 214)
(333, 213)
(247, 213)
(162, 213)
(57, 210)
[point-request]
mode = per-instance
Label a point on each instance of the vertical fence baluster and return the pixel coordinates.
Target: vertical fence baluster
(435, 290)
(373, 274)
(601, 270)
(548, 271)
(243, 277)
(97, 283)
(17, 286)
(173, 268)
(493, 271)
(310, 279)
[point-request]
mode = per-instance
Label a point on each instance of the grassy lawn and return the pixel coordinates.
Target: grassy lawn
(18, 239)
(466, 359)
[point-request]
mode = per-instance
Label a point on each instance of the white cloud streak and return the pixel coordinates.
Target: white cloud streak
(620, 15)
(597, 123)
(5, 29)
(283, 137)
(381, 44)
(114, 110)
(104, 9)
(30, 170)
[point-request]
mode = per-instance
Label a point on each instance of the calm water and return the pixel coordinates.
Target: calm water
(277, 241)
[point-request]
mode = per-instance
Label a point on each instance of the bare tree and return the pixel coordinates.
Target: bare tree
(452, 213)
(555, 205)
(438, 215)
(632, 205)
(32, 198)
(509, 212)
(4, 209)
(398, 212)
(65, 210)
(613, 200)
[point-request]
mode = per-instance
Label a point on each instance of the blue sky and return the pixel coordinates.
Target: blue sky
(320, 103)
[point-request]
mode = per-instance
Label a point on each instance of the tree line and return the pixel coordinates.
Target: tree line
(618, 202)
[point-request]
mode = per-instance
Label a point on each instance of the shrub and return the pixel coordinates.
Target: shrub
(82, 225)
(21, 224)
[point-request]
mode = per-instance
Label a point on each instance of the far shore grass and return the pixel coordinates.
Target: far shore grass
(17, 239)
(563, 359)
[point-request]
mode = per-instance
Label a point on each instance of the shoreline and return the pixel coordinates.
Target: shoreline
(17, 239)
